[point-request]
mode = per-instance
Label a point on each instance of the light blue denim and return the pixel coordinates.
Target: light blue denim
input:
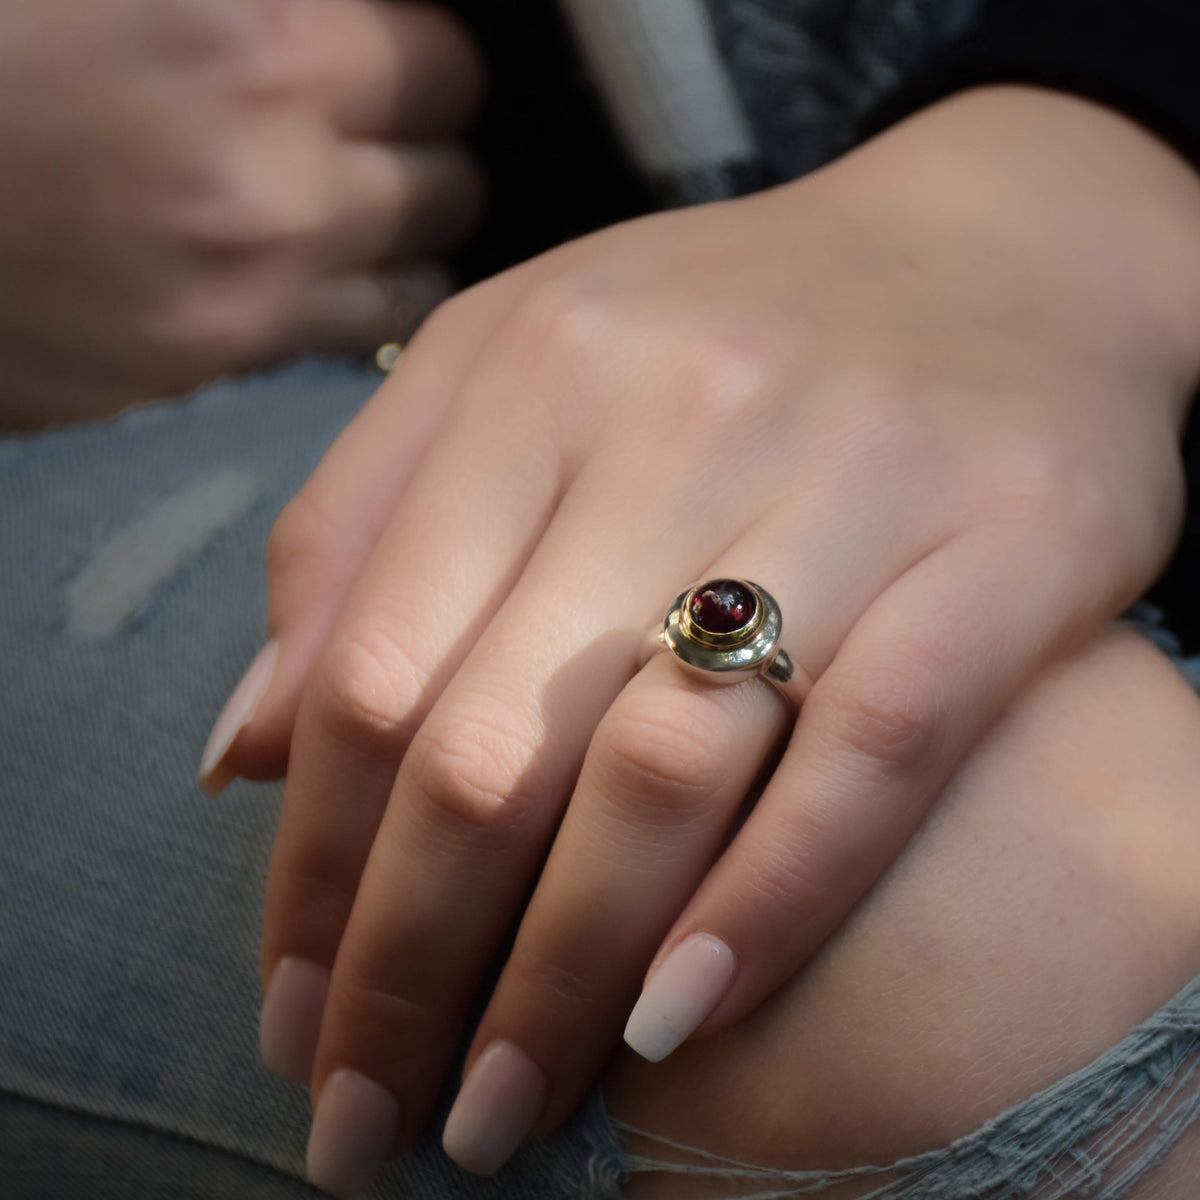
(129, 902)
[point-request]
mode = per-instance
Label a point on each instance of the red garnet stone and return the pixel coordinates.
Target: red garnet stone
(723, 606)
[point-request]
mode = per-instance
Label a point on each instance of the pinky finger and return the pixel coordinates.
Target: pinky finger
(921, 675)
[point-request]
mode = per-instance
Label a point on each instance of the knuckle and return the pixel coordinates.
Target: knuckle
(240, 211)
(475, 771)
(369, 1008)
(366, 689)
(196, 326)
(1038, 484)
(718, 384)
(579, 327)
(1046, 498)
(662, 754)
(569, 321)
(890, 717)
(788, 877)
(235, 205)
(554, 987)
(311, 895)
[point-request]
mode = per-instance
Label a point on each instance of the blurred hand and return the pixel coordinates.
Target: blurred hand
(929, 398)
(189, 187)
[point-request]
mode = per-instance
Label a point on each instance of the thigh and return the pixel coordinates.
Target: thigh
(1049, 904)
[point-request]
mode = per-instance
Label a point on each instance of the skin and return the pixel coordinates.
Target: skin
(929, 397)
(195, 186)
(1050, 903)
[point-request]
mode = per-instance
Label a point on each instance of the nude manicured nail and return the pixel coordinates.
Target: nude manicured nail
(682, 992)
(215, 777)
(352, 1134)
(501, 1098)
(291, 1018)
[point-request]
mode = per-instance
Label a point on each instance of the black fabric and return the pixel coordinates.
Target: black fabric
(806, 71)
(1139, 56)
(553, 164)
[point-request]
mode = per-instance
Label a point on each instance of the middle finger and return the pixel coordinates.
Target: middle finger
(476, 801)
(665, 774)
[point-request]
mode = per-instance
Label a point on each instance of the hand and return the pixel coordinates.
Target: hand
(195, 186)
(929, 398)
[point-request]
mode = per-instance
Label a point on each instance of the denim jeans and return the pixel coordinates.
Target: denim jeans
(131, 598)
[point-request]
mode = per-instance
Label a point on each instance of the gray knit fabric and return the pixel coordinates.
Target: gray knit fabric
(796, 77)
(807, 71)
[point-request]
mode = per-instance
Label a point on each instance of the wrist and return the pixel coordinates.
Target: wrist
(1101, 214)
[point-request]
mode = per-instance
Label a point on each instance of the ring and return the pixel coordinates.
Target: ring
(727, 630)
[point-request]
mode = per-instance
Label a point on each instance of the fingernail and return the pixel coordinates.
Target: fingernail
(215, 777)
(501, 1098)
(291, 1018)
(679, 996)
(352, 1133)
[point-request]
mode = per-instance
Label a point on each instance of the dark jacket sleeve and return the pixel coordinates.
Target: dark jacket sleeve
(1141, 57)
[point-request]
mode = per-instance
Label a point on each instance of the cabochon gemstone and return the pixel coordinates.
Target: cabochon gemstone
(723, 606)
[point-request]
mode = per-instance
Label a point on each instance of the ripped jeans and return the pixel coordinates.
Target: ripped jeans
(131, 598)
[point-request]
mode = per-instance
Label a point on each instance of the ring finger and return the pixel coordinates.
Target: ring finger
(664, 777)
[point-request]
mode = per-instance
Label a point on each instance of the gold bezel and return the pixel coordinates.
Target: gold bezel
(722, 641)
